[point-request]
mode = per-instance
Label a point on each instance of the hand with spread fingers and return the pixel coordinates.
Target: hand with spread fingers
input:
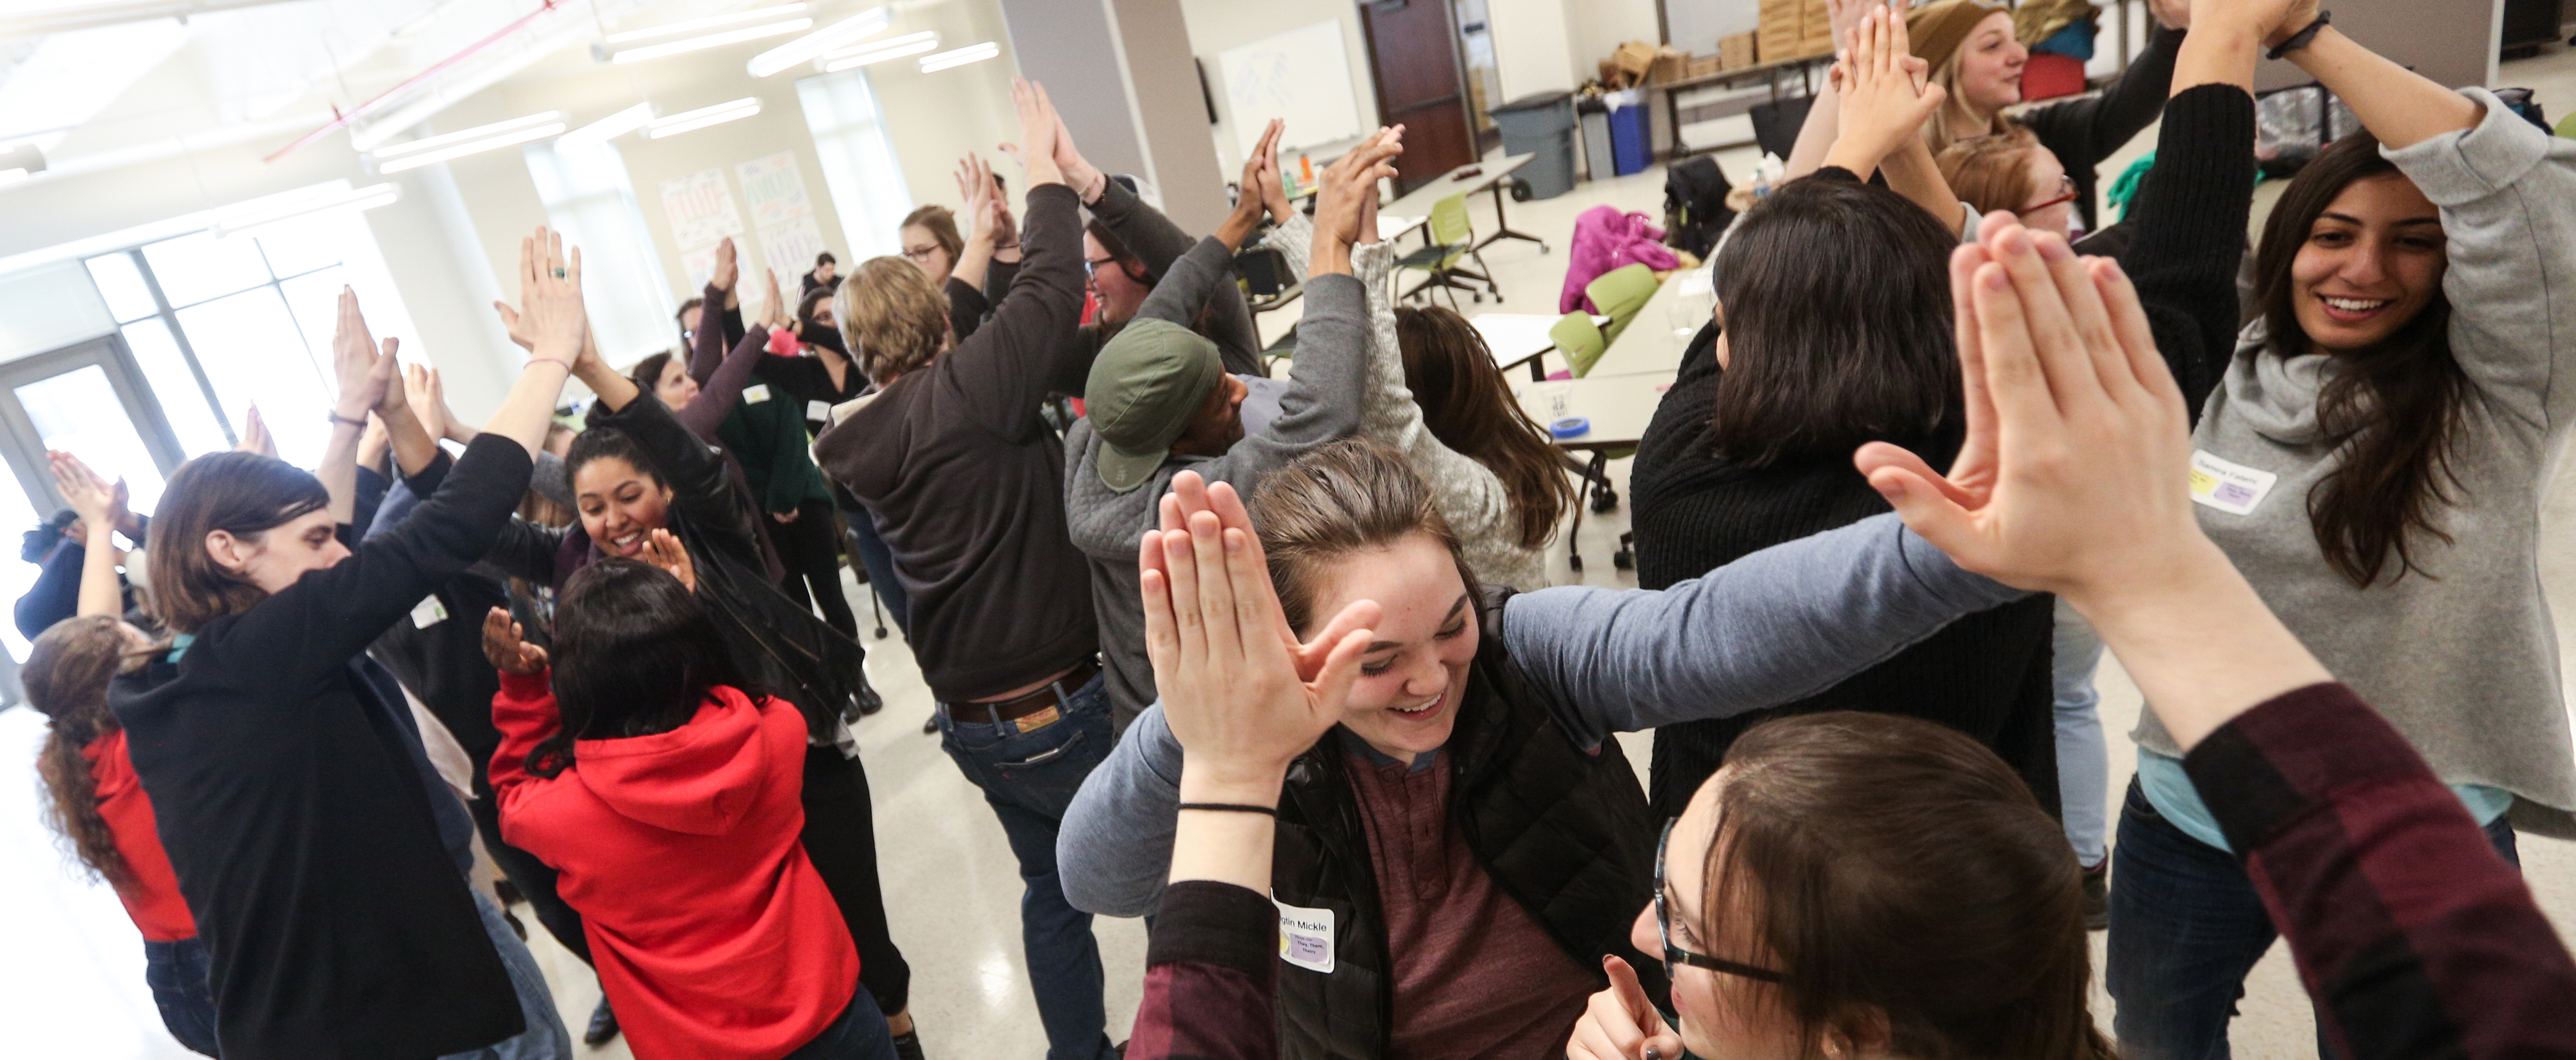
(504, 645)
(663, 550)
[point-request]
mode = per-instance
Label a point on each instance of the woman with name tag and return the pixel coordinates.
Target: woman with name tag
(2373, 460)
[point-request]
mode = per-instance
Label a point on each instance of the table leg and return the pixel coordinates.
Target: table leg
(1538, 367)
(1503, 227)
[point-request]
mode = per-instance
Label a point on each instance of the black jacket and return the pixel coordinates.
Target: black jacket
(314, 845)
(1986, 675)
(2087, 129)
(1564, 832)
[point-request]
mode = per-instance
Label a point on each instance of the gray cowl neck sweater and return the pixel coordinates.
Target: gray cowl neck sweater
(2461, 656)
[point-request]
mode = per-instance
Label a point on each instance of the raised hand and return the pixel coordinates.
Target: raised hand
(365, 370)
(1886, 96)
(1621, 1023)
(421, 393)
(504, 646)
(550, 308)
(1039, 126)
(1338, 203)
(663, 550)
(1232, 691)
(728, 268)
(777, 315)
(98, 502)
(1079, 174)
(255, 437)
(2172, 14)
(1248, 200)
(975, 187)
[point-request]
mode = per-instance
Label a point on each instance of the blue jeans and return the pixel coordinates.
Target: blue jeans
(860, 1034)
(2186, 926)
(1029, 779)
(545, 1038)
(176, 972)
(2083, 764)
(878, 561)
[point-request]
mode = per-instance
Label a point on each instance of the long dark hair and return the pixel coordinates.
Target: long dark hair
(1892, 868)
(66, 680)
(40, 541)
(634, 654)
(1837, 299)
(647, 373)
(245, 494)
(1469, 408)
(1350, 495)
(2388, 410)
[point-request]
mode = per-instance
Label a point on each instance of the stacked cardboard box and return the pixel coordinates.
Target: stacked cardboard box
(1704, 65)
(1670, 65)
(1738, 51)
(1783, 25)
(1816, 29)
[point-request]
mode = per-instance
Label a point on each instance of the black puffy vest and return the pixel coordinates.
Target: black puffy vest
(1565, 833)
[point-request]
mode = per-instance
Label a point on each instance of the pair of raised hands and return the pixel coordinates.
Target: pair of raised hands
(1886, 94)
(988, 210)
(550, 321)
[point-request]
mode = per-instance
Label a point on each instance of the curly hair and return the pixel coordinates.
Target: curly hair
(892, 317)
(66, 680)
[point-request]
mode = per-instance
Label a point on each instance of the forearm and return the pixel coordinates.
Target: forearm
(722, 389)
(1817, 134)
(524, 712)
(2399, 106)
(530, 405)
(1190, 283)
(339, 469)
(973, 261)
(1211, 976)
(1912, 173)
(100, 593)
(2200, 644)
(413, 447)
(706, 345)
(1115, 848)
(2220, 50)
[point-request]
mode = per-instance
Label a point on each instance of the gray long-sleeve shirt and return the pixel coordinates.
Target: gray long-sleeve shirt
(1770, 628)
(1322, 403)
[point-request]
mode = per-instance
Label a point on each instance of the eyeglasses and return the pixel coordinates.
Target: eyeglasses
(1664, 928)
(2065, 193)
(1091, 266)
(920, 254)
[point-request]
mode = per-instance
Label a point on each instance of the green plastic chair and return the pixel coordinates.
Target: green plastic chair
(1579, 340)
(2567, 126)
(1619, 294)
(1453, 238)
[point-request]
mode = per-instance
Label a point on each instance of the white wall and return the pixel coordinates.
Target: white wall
(1218, 25)
(1533, 50)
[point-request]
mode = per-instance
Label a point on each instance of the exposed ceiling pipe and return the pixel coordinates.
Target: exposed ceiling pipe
(161, 148)
(93, 16)
(388, 97)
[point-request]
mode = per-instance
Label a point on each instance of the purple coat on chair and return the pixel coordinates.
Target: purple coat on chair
(1605, 239)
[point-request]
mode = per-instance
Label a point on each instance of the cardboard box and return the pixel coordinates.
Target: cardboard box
(1704, 65)
(1635, 60)
(1670, 64)
(1738, 51)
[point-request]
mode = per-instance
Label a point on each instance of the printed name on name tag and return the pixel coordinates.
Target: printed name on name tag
(2227, 486)
(818, 410)
(1305, 937)
(429, 612)
(755, 393)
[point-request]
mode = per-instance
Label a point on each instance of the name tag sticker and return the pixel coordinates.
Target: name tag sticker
(1305, 937)
(755, 393)
(2229, 487)
(429, 612)
(818, 410)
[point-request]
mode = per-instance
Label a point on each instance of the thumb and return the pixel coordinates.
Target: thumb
(1928, 512)
(508, 315)
(1332, 686)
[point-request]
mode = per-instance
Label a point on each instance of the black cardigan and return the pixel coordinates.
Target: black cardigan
(1986, 675)
(2187, 234)
(312, 843)
(2085, 130)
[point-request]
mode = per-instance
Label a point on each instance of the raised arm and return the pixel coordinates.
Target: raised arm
(555, 328)
(2091, 128)
(94, 499)
(366, 378)
(975, 186)
(1885, 100)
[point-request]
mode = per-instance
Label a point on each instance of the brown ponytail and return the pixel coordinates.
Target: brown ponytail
(66, 680)
(1466, 405)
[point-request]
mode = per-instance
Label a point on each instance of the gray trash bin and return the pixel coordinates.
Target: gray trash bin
(1541, 125)
(1595, 119)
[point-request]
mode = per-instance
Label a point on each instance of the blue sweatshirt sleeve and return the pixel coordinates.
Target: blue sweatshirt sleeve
(1114, 850)
(1775, 626)
(56, 594)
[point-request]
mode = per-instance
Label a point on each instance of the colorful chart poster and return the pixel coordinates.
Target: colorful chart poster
(701, 209)
(789, 248)
(773, 189)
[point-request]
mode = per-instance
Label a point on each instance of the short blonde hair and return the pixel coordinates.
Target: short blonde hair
(892, 317)
(1992, 173)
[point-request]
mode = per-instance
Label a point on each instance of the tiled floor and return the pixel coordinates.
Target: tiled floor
(70, 973)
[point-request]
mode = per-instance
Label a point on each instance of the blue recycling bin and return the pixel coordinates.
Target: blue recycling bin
(1632, 132)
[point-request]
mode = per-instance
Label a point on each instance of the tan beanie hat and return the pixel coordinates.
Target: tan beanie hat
(1938, 29)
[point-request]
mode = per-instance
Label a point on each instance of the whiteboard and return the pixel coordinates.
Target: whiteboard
(1303, 76)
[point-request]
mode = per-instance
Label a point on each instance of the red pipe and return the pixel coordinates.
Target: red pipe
(341, 121)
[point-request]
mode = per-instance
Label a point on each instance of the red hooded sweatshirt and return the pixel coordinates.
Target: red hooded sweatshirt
(713, 935)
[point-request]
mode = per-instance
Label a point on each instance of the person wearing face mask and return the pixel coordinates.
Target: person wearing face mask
(1160, 401)
(1859, 886)
(2373, 459)
(323, 859)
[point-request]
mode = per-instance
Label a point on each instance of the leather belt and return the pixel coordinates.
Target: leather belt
(1056, 692)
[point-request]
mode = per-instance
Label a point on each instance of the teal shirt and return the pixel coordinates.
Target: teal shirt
(2169, 790)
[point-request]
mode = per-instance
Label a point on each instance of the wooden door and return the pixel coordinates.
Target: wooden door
(1413, 61)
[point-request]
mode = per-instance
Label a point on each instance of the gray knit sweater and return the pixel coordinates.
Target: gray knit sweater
(2464, 661)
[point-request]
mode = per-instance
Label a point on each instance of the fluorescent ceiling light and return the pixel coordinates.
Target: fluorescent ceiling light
(608, 128)
(878, 51)
(517, 136)
(840, 34)
(475, 134)
(709, 22)
(366, 198)
(712, 40)
(972, 53)
(693, 120)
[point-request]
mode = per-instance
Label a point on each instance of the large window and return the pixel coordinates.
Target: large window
(590, 200)
(858, 161)
(221, 323)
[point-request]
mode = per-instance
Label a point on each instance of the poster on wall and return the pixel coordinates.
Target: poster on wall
(773, 189)
(789, 248)
(701, 209)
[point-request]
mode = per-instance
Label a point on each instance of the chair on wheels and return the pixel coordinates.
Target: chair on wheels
(1453, 239)
(1619, 294)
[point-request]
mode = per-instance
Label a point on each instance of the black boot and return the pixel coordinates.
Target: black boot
(930, 724)
(603, 1025)
(907, 1045)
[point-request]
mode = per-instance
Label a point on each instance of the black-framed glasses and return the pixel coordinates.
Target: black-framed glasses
(920, 254)
(1664, 929)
